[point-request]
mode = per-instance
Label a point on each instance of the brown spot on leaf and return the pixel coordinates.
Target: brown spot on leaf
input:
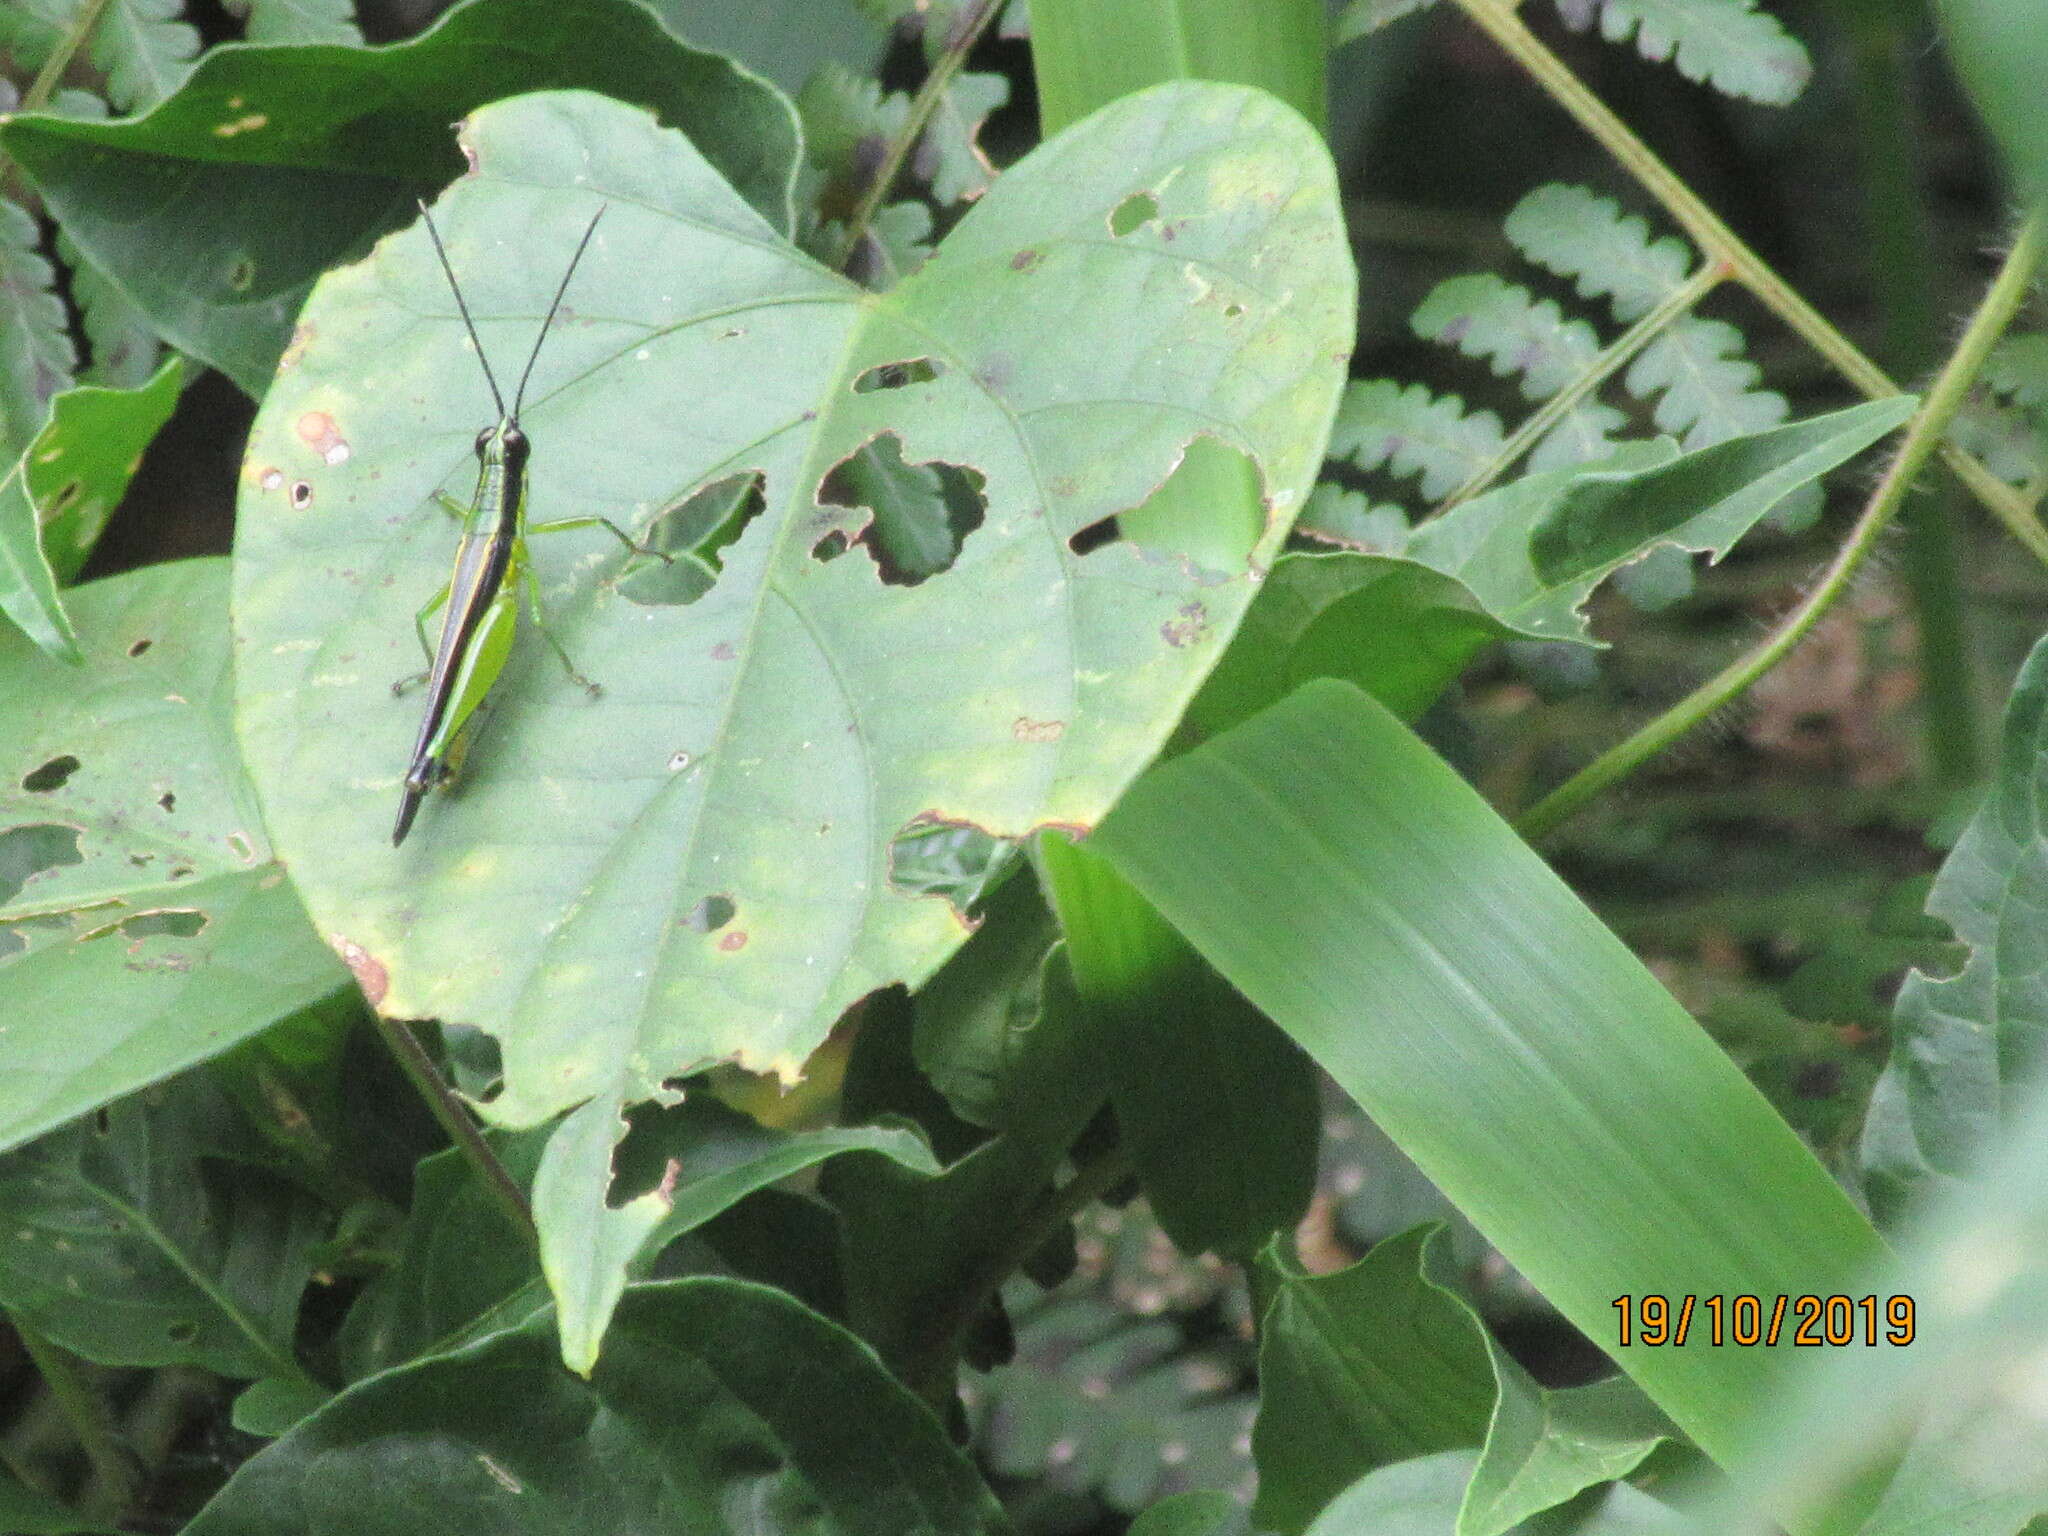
(317, 430)
(1025, 260)
(1186, 627)
(1024, 728)
(723, 651)
(367, 969)
(736, 940)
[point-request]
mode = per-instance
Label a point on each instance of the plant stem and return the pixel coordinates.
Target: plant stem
(114, 1469)
(44, 86)
(454, 1116)
(1923, 435)
(1605, 366)
(966, 32)
(1720, 245)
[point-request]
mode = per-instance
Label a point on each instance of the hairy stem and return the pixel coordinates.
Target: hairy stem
(967, 30)
(1923, 436)
(1722, 246)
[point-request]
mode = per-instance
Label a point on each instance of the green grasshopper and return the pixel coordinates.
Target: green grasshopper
(491, 566)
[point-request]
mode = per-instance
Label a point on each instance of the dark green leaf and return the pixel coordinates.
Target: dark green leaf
(131, 1242)
(1216, 1108)
(720, 1409)
(79, 465)
(1203, 1513)
(216, 212)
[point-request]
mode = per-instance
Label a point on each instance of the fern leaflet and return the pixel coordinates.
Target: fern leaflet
(1412, 432)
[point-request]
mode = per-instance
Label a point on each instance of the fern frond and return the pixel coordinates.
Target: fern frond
(1334, 515)
(1707, 387)
(1412, 432)
(37, 360)
(1728, 44)
(1488, 317)
(1584, 237)
(1589, 431)
(122, 346)
(849, 121)
(298, 21)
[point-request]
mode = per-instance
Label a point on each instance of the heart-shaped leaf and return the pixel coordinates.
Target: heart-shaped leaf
(697, 865)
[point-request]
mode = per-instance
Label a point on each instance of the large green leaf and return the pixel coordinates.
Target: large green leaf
(1372, 905)
(216, 211)
(721, 1409)
(134, 1240)
(77, 469)
(697, 866)
(143, 923)
(1964, 1046)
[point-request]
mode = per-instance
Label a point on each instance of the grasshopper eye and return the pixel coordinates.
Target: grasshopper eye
(483, 440)
(515, 442)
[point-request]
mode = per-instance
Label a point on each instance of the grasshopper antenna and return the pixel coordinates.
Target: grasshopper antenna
(453, 287)
(534, 355)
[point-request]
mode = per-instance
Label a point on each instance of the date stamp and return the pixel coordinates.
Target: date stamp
(1812, 1322)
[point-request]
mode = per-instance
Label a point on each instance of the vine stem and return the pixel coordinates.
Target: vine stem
(966, 32)
(454, 1116)
(114, 1469)
(1604, 367)
(1923, 436)
(1722, 246)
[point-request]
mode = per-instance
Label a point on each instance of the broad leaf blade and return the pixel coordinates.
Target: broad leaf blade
(697, 866)
(1439, 965)
(143, 923)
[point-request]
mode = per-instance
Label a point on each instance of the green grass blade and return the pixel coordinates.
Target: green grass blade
(1364, 897)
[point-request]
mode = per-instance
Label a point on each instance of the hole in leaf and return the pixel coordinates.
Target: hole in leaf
(167, 800)
(1232, 311)
(912, 370)
(710, 914)
(697, 531)
(11, 942)
(139, 647)
(830, 547)
(953, 859)
(922, 512)
(174, 922)
(51, 775)
(26, 852)
(302, 494)
(183, 1332)
(1130, 215)
(66, 495)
